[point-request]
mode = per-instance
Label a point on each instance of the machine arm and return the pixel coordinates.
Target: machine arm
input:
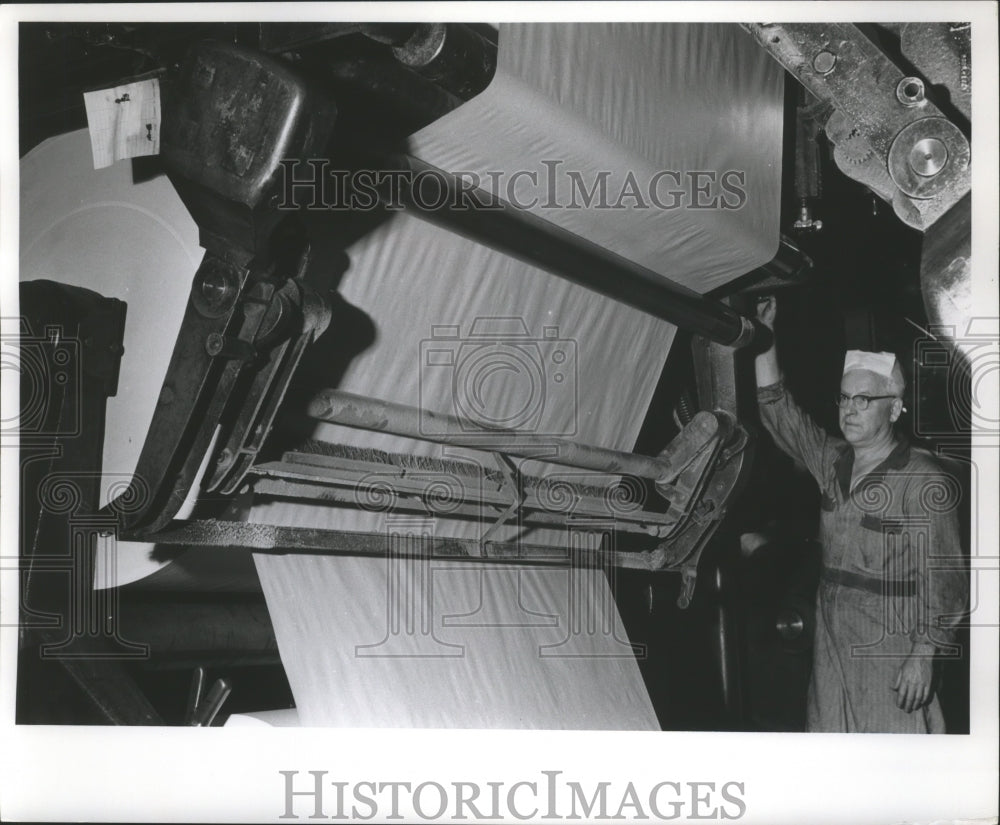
(883, 113)
(232, 116)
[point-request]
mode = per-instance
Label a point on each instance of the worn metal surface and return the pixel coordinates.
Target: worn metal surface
(927, 159)
(856, 158)
(709, 503)
(270, 538)
(943, 54)
(715, 376)
(194, 392)
(233, 115)
(925, 154)
(305, 316)
(728, 457)
(229, 119)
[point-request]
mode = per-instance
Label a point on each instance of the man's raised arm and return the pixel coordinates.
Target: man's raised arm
(793, 431)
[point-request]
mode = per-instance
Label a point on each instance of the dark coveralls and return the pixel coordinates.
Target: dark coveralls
(892, 573)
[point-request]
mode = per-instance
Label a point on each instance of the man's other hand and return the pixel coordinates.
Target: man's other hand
(913, 682)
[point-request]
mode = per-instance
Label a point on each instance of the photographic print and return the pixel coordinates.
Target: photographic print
(503, 412)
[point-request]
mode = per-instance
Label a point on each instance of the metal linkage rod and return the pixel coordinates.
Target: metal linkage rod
(272, 538)
(347, 409)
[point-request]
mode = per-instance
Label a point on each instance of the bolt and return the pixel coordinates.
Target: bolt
(824, 62)
(215, 288)
(214, 343)
(928, 157)
(910, 91)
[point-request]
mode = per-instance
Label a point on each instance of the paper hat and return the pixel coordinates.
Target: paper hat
(881, 363)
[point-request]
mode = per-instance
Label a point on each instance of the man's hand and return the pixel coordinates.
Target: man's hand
(767, 308)
(913, 681)
(766, 362)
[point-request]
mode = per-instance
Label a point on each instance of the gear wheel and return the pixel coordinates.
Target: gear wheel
(850, 146)
(853, 148)
(855, 157)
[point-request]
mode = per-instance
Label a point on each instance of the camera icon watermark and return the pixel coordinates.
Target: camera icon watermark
(498, 377)
(443, 607)
(46, 364)
(58, 584)
(911, 534)
(956, 381)
(589, 494)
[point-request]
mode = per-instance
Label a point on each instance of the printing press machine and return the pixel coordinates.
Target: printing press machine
(234, 402)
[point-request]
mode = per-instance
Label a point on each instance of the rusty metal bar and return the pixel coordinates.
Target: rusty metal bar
(347, 409)
(269, 538)
(272, 538)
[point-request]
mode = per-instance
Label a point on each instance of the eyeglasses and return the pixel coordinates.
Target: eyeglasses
(860, 402)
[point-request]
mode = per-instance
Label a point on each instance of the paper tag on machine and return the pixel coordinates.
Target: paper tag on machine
(124, 121)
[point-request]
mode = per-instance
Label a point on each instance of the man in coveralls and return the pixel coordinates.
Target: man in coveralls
(892, 586)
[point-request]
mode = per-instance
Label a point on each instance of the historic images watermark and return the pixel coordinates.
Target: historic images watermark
(313, 184)
(548, 796)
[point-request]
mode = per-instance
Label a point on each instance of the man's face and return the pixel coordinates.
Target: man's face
(870, 426)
